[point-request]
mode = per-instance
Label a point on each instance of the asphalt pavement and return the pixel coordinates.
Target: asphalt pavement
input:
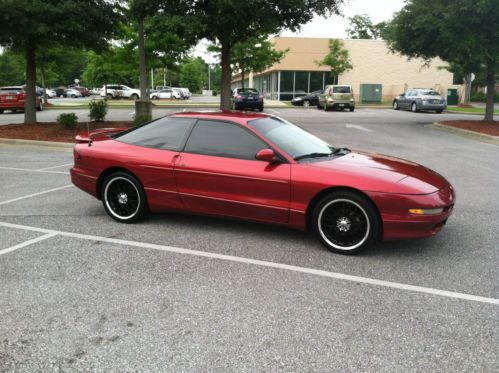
(80, 292)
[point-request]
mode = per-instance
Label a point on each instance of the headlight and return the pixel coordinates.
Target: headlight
(427, 211)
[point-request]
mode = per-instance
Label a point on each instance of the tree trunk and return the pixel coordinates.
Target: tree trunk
(491, 90)
(242, 77)
(42, 77)
(225, 93)
(143, 108)
(30, 103)
(142, 63)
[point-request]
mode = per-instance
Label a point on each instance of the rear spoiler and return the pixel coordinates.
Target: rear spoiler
(87, 137)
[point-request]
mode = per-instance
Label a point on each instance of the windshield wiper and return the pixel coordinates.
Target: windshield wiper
(312, 155)
(341, 151)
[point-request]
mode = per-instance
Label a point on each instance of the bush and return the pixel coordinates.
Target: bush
(67, 120)
(98, 110)
(141, 119)
(215, 93)
(482, 97)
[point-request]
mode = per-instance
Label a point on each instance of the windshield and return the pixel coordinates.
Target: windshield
(430, 93)
(247, 90)
(341, 89)
(290, 138)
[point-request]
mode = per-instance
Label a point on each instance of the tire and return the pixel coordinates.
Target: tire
(109, 96)
(260, 109)
(123, 197)
(40, 106)
(155, 97)
(396, 105)
(354, 212)
(73, 96)
(439, 111)
(414, 107)
(352, 108)
(325, 107)
(134, 97)
(306, 103)
(1, 111)
(319, 106)
(13, 111)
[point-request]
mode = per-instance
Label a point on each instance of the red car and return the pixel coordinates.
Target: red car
(13, 98)
(261, 168)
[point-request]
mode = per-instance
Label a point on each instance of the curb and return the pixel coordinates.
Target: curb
(47, 144)
(465, 133)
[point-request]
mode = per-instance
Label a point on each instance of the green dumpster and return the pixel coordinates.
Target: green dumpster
(452, 98)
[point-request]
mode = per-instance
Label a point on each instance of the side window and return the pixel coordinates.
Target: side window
(166, 133)
(223, 139)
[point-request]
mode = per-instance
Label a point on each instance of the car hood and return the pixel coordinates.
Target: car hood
(384, 173)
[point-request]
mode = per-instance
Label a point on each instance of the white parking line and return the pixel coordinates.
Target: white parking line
(50, 168)
(27, 243)
(35, 194)
(32, 170)
(275, 111)
(310, 271)
(357, 127)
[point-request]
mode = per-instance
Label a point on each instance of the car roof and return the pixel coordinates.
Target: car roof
(236, 116)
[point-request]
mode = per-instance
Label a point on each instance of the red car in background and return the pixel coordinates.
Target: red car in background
(13, 98)
(261, 168)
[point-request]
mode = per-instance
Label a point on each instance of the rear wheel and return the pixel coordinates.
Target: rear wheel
(352, 108)
(134, 96)
(260, 108)
(73, 96)
(345, 222)
(123, 197)
(306, 103)
(439, 111)
(40, 106)
(1, 111)
(110, 96)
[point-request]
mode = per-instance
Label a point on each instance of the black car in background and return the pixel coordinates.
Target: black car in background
(311, 99)
(247, 98)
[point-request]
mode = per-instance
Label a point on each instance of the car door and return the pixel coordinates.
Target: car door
(165, 93)
(217, 173)
(409, 96)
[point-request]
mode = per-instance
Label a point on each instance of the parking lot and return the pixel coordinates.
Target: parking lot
(79, 291)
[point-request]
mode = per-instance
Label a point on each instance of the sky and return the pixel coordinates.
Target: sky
(335, 26)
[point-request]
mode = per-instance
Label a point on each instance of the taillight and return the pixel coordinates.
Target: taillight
(76, 155)
(261, 97)
(21, 95)
(329, 93)
(238, 97)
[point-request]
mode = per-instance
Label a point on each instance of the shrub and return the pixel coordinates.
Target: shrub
(482, 97)
(67, 120)
(215, 93)
(98, 110)
(141, 119)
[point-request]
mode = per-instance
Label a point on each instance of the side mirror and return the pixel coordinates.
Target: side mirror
(266, 155)
(402, 95)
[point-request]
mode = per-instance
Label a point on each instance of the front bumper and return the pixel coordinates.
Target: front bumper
(398, 223)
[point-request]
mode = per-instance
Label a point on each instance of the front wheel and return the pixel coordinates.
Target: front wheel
(135, 97)
(40, 106)
(345, 222)
(306, 103)
(414, 107)
(123, 197)
(395, 105)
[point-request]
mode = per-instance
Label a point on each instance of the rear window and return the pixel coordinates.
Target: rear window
(10, 90)
(341, 89)
(166, 133)
(430, 92)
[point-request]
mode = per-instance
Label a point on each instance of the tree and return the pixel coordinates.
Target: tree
(460, 32)
(337, 58)
(11, 68)
(230, 22)
(254, 55)
(362, 27)
(194, 74)
(28, 26)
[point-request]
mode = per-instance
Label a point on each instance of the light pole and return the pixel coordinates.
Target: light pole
(209, 77)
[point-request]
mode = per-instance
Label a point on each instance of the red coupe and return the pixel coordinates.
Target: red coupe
(261, 168)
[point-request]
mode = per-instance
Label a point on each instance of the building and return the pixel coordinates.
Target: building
(377, 74)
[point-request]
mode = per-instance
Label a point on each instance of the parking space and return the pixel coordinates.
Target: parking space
(177, 292)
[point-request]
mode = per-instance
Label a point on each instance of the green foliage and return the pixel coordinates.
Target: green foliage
(194, 74)
(481, 97)
(11, 68)
(460, 32)
(67, 120)
(141, 119)
(362, 27)
(215, 93)
(337, 59)
(98, 110)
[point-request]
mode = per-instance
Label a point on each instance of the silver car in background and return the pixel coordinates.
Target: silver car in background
(418, 99)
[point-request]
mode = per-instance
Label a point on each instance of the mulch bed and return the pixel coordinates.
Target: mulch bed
(51, 131)
(480, 126)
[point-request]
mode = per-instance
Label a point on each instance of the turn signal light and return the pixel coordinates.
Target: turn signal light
(426, 211)
(76, 155)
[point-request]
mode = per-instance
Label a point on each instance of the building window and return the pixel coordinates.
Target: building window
(316, 81)
(301, 83)
(286, 91)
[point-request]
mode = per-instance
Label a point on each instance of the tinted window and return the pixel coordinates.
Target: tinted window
(223, 140)
(165, 133)
(430, 92)
(341, 89)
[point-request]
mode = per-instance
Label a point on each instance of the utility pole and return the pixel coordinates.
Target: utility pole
(209, 77)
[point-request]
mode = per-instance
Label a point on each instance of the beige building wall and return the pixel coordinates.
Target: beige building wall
(372, 62)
